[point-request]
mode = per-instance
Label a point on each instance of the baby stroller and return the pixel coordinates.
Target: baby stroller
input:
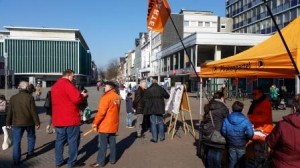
(282, 104)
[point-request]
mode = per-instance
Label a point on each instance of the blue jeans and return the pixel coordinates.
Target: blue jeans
(17, 137)
(214, 158)
(70, 134)
(102, 147)
(235, 154)
(157, 125)
(128, 119)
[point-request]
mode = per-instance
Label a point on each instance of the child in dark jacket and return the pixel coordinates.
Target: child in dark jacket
(237, 130)
(129, 110)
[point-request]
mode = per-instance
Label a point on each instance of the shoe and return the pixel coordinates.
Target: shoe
(140, 136)
(112, 162)
(79, 165)
(16, 164)
(48, 130)
(152, 140)
(29, 156)
(96, 165)
(130, 127)
(62, 164)
(162, 139)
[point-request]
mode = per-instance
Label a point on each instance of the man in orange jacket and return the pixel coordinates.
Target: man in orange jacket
(106, 122)
(260, 111)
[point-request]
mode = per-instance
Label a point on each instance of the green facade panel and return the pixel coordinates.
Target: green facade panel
(43, 56)
(1, 49)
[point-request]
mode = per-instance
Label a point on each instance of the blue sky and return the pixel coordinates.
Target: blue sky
(108, 26)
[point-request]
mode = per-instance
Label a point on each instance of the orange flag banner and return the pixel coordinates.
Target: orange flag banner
(158, 14)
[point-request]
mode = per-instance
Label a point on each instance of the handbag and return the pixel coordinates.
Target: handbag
(7, 140)
(216, 136)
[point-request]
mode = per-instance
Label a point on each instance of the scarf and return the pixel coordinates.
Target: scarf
(255, 102)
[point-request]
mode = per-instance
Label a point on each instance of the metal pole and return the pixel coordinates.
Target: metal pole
(282, 39)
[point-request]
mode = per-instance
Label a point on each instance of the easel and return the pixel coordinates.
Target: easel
(173, 123)
(184, 106)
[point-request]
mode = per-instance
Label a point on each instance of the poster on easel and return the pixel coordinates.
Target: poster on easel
(177, 99)
(172, 91)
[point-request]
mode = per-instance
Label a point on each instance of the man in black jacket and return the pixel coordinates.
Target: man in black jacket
(138, 105)
(155, 107)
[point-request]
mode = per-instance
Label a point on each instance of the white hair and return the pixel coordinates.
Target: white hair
(23, 85)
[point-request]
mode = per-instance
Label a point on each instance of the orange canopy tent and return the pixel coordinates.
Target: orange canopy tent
(268, 59)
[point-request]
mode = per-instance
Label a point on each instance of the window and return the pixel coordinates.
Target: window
(186, 23)
(200, 24)
(207, 24)
(223, 26)
(194, 23)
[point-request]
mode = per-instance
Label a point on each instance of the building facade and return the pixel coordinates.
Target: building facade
(42, 54)
(251, 16)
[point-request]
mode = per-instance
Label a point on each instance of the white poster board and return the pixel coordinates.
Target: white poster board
(177, 98)
(172, 91)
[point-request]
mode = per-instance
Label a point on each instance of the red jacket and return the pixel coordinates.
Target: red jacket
(285, 143)
(65, 98)
(107, 118)
(262, 114)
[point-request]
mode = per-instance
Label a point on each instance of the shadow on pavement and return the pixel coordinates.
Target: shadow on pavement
(124, 144)
(88, 149)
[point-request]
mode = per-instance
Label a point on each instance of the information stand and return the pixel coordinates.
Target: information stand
(180, 105)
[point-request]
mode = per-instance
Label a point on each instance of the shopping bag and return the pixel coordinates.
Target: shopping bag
(86, 114)
(7, 140)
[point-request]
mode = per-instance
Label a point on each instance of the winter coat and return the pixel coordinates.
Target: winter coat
(138, 102)
(129, 104)
(65, 98)
(107, 117)
(284, 141)
(154, 100)
(22, 110)
(218, 111)
(237, 130)
(261, 114)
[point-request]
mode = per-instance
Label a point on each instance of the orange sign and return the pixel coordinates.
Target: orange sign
(158, 14)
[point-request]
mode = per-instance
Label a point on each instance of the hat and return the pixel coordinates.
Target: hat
(110, 83)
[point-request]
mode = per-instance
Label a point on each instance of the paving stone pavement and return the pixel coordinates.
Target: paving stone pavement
(178, 152)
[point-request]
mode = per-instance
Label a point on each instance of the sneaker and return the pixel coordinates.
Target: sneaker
(152, 140)
(96, 165)
(130, 127)
(48, 129)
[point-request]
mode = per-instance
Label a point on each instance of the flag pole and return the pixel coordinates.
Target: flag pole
(198, 77)
(282, 39)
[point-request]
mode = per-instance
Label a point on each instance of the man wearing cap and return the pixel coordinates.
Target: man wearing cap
(106, 123)
(65, 99)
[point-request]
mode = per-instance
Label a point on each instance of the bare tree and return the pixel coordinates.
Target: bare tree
(112, 70)
(101, 73)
